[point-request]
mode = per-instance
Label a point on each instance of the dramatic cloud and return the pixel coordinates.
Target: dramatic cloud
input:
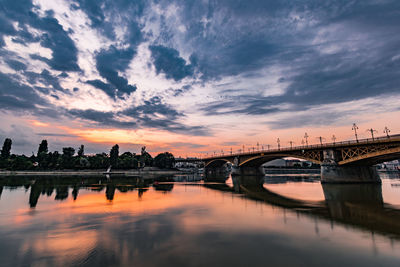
(109, 63)
(167, 60)
(213, 71)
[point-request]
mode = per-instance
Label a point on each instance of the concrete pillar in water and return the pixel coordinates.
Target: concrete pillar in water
(248, 171)
(216, 174)
(331, 172)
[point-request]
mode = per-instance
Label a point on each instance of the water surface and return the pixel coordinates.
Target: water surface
(180, 221)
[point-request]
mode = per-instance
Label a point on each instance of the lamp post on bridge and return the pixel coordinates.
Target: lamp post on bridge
(306, 137)
(291, 144)
(372, 133)
(279, 143)
(231, 150)
(244, 151)
(258, 146)
(355, 128)
(268, 146)
(386, 131)
(334, 139)
(320, 139)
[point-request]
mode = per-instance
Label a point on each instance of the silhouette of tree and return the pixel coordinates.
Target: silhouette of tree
(81, 151)
(6, 150)
(21, 163)
(145, 158)
(67, 157)
(114, 152)
(43, 147)
(127, 161)
(164, 160)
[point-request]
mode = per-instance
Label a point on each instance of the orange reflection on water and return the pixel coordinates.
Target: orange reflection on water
(68, 248)
(89, 203)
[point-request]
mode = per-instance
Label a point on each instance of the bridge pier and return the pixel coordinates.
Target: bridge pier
(331, 172)
(248, 171)
(216, 174)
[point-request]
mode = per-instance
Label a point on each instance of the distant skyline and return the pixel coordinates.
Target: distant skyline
(192, 77)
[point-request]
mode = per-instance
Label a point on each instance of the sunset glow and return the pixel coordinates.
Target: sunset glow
(195, 78)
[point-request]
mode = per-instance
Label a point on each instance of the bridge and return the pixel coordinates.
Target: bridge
(341, 162)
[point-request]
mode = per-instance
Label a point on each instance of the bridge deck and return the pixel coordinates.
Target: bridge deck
(288, 150)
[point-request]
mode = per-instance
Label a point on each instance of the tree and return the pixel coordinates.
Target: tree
(127, 161)
(114, 152)
(68, 152)
(67, 157)
(21, 163)
(164, 160)
(99, 161)
(145, 158)
(54, 160)
(81, 151)
(6, 150)
(43, 147)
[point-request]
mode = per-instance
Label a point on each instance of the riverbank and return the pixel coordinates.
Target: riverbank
(133, 172)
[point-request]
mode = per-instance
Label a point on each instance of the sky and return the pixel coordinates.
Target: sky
(196, 77)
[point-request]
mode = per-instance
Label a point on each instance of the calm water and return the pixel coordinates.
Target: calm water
(289, 221)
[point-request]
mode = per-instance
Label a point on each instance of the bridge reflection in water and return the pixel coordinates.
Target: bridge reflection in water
(358, 205)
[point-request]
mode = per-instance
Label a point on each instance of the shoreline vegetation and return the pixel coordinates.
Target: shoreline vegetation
(70, 163)
(131, 172)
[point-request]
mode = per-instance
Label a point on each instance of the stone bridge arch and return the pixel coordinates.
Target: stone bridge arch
(259, 160)
(217, 163)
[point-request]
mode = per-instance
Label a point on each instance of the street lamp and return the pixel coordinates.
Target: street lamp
(320, 139)
(386, 131)
(291, 144)
(355, 128)
(279, 143)
(306, 137)
(258, 145)
(334, 139)
(372, 133)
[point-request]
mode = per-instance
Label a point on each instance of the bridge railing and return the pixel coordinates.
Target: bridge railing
(375, 140)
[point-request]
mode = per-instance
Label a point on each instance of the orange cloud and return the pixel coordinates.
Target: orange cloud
(39, 123)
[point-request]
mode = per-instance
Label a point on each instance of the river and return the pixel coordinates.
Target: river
(291, 220)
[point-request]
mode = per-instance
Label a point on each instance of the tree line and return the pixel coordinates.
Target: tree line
(68, 159)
